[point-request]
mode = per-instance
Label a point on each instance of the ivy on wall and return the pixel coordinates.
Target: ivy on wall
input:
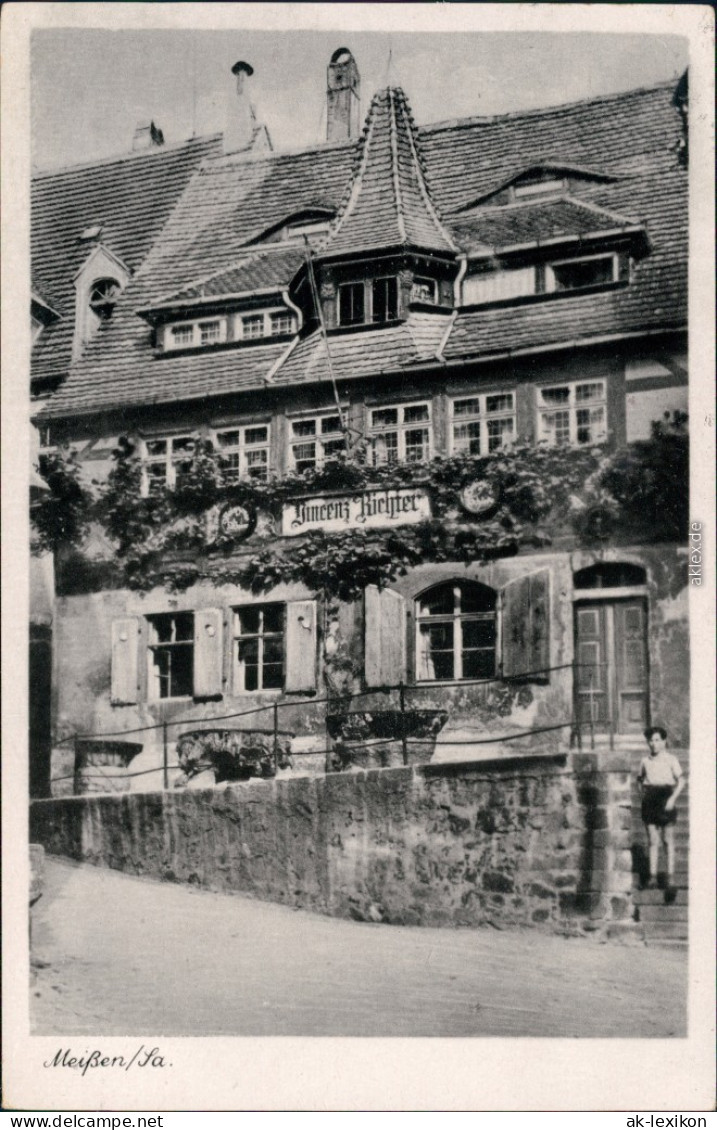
(166, 538)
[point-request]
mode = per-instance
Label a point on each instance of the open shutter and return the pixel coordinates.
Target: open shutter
(208, 653)
(385, 638)
(125, 657)
(300, 646)
(526, 627)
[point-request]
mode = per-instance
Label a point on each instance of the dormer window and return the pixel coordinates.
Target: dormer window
(103, 297)
(533, 188)
(572, 274)
(351, 304)
(497, 286)
(373, 300)
(191, 335)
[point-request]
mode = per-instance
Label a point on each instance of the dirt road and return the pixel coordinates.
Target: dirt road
(131, 957)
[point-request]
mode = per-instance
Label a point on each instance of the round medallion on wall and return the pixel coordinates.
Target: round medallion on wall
(480, 498)
(236, 521)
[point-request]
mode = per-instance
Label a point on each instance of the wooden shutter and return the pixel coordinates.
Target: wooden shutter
(301, 637)
(208, 653)
(526, 627)
(385, 638)
(125, 659)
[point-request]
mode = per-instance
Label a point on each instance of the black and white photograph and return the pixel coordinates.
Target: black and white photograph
(366, 590)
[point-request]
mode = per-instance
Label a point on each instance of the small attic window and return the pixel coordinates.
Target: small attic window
(103, 296)
(531, 188)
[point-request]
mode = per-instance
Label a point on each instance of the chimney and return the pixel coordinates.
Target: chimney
(241, 118)
(343, 97)
(147, 136)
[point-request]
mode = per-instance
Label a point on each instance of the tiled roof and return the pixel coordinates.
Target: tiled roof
(362, 353)
(269, 267)
(497, 228)
(388, 203)
(130, 198)
(633, 137)
(151, 380)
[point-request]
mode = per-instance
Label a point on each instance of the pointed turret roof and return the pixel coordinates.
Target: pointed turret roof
(388, 203)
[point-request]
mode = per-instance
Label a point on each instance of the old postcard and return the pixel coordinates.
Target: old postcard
(358, 374)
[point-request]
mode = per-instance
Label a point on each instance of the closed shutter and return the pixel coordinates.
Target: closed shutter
(208, 653)
(125, 658)
(526, 627)
(301, 638)
(385, 638)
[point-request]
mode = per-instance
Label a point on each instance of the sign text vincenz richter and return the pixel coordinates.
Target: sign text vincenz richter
(366, 510)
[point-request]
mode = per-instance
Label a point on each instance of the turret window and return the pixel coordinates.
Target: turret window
(375, 300)
(351, 304)
(384, 300)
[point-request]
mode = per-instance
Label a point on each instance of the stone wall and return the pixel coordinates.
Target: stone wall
(536, 841)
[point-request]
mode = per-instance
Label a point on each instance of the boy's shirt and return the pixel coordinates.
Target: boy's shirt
(664, 769)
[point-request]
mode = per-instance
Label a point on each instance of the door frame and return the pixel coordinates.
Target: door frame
(609, 597)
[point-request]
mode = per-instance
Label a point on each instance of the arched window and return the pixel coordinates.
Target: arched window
(103, 296)
(610, 575)
(456, 632)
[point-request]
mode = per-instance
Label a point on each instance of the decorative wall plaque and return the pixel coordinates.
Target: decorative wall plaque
(480, 498)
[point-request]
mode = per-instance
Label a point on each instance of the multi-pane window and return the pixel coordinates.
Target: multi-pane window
(497, 286)
(351, 304)
(482, 423)
(252, 326)
(171, 655)
(245, 452)
(315, 439)
(165, 461)
(209, 332)
(259, 647)
(190, 335)
(384, 300)
(456, 632)
(282, 323)
(572, 414)
(596, 270)
(400, 434)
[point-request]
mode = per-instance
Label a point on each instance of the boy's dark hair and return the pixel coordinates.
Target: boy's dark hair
(655, 730)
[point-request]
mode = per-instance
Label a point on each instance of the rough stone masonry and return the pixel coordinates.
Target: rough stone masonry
(540, 841)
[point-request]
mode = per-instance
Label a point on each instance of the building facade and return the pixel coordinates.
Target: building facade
(366, 426)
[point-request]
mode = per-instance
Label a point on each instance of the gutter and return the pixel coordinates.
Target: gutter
(419, 366)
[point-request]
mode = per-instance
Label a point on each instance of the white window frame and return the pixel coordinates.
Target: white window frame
(319, 438)
(550, 281)
(532, 188)
(482, 417)
(572, 407)
(167, 459)
(529, 275)
(401, 428)
(266, 323)
(196, 342)
(243, 449)
(367, 286)
(294, 233)
(238, 669)
(153, 677)
(456, 618)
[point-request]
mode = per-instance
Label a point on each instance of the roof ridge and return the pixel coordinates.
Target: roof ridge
(351, 191)
(394, 158)
(422, 179)
(120, 158)
(477, 119)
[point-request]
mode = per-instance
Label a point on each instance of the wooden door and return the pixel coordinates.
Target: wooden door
(630, 666)
(611, 653)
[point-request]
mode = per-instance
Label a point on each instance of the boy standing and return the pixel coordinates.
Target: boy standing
(661, 781)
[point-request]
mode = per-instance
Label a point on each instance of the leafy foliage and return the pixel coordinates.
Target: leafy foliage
(60, 518)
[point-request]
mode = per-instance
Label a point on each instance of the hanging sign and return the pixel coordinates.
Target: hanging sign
(369, 509)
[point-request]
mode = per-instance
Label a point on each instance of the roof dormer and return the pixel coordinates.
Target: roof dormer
(98, 284)
(544, 181)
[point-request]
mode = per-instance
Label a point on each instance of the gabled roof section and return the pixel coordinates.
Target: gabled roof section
(129, 197)
(388, 203)
(505, 228)
(271, 268)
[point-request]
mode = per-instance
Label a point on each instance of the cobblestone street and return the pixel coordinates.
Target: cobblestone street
(127, 956)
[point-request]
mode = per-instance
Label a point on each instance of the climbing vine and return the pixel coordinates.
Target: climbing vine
(171, 537)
